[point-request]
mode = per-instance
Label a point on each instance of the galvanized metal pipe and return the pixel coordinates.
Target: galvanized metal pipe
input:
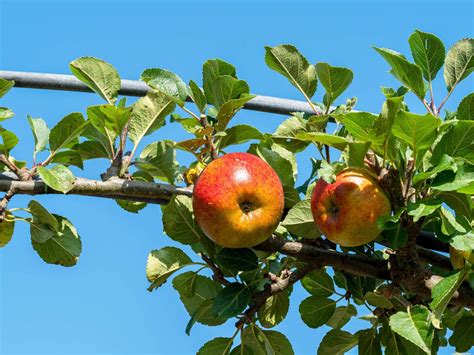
(139, 88)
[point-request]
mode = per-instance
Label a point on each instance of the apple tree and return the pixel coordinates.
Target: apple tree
(418, 299)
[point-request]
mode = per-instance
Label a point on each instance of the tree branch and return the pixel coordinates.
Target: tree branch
(279, 284)
(355, 264)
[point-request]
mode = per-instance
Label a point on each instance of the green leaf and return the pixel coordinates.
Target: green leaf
(265, 342)
(460, 203)
(7, 227)
(239, 134)
(236, 260)
(211, 70)
(360, 125)
(9, 141)
(40, 133)
(316, 310)
(369, 342)
(98, 75)
(459, 62)
(178, 221)
(66, 131)
(463, 335)
(63, 247)
(457, 142)
(442, 294)
(300, 222)
(286, 60)
(416, 130)
(229, 109)
(285, 135)
(281, 160)
(446, 163)
(428, 52)
(216, 346)
(449, 224)
(423, 208)
(341, 316)
(463, 242)
(225, 88)
(68, 157)
(318, 283)
(334, 79)
(462, 181)
(465, 109)
(166, 82)
(407, 73)
(91, 150)
(274, 310)
(109, 119)
(5, 113)
(5, 86)
(324, 138)
(159, 160)
(194, 290)
(231, 301)
(355, 153)
(415, 326)
(337, 342)
(101, 146)
(197, 95)
(378, 300)
(328, 171)
(148, 114)
(162, 263)
(59, 178)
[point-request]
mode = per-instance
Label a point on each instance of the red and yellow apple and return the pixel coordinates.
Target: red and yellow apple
(238, 200)
(346, 211)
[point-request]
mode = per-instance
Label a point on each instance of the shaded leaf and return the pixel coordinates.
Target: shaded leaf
(216, 346)
(211, 70)
(265, 342)
(237, 259)
(197, 95)
(341, 316)
(457, 142)
(7, 227)
(239, 134)
(463, 335)
(318, 283)
(229, 109)
(337, 342)
(369, 342)
(159, 160)
(274, 310)
(231, 301)
(315, 311)
(465, 109)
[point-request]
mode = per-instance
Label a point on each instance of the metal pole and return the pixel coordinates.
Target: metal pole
(139, 88)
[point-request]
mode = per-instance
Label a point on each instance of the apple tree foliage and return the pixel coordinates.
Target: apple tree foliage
(425, 161)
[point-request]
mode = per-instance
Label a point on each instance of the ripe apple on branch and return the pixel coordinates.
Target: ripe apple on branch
(400, 197)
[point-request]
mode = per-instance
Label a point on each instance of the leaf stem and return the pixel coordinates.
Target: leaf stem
(190, 112)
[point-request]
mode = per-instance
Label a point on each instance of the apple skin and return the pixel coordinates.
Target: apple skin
(347, 210)
(238, 200)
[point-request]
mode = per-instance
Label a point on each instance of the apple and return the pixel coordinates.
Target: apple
(346, 211)
(238, 200)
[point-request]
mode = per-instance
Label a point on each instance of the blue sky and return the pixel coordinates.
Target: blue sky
(101, 305)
